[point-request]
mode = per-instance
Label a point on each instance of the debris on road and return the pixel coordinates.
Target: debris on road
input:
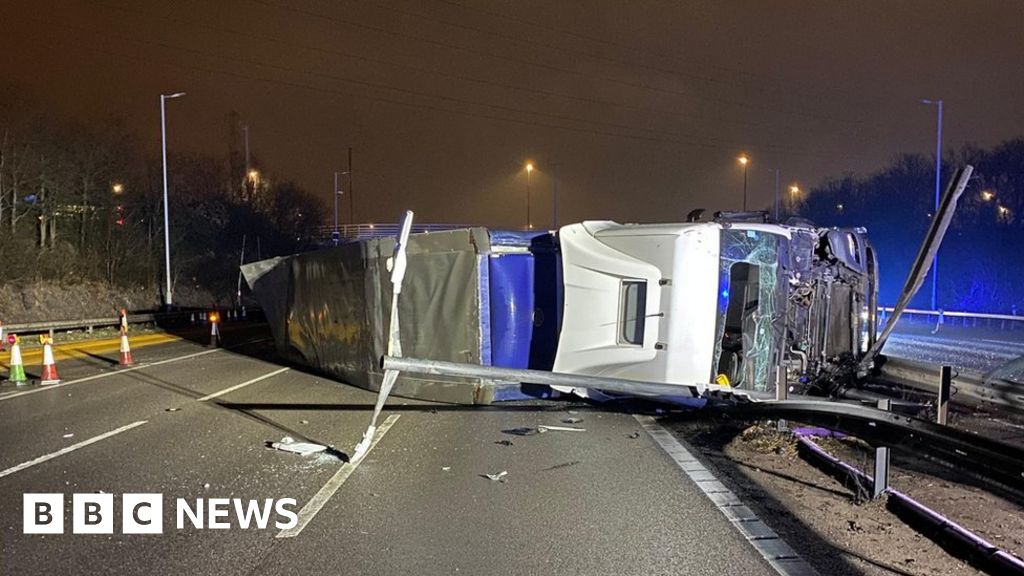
(543, 429)
(562, 465)
(572, 420)
(288, 444)
(303, 421)
(69, 435)
(499, 477)
(504, 442)
(172, 409)
(634, 435)
(521, 431)
(445, 468)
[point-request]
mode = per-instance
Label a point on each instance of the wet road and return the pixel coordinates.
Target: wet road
(193, 423)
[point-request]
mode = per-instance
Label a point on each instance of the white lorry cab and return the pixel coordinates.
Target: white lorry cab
(734, 302)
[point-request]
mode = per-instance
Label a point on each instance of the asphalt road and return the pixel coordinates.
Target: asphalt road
(603, 501)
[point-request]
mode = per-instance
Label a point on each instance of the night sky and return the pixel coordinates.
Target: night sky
(641, 108)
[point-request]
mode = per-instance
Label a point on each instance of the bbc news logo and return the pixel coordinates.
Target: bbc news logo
(144, 513)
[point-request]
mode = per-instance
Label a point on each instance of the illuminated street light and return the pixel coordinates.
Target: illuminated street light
(117, 188)
(744, 160)
(987, 195)
(167, 225)
(794, 190)
(254, 175)
(1004, 211)
(529, 173)
(839, 207)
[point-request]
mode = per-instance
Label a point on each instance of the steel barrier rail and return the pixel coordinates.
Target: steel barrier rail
(363, 231)
(967, 319)
(90, 323)
(996, 461)
(970, 387)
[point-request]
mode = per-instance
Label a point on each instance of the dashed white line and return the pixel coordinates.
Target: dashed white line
(242, 385)
(71, 448)
(324, 494)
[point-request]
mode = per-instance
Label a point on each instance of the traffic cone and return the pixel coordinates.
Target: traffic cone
(49, 375)
(126, 351)
(17, 374)
(214, 329)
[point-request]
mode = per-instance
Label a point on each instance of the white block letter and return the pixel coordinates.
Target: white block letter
(43, 513)
(92, 514)
(142, 514)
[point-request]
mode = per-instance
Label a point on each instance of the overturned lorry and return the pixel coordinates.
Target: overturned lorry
(736, 307)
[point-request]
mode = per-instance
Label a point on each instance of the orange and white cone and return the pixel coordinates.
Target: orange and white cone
(126, 351)
(49, 375)
(214, 329)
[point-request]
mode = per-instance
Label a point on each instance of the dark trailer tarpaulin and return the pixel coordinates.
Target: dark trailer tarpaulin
(330, 309)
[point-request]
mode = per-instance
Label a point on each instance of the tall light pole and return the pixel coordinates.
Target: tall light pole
(938, 178)
(168, 300)
(776, 194)
(744, 160)
(337, 194)
(554, 197)
(529, 174)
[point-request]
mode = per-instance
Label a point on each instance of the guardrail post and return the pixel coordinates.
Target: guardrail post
(945, 386)
(781, 393)
(881, 460)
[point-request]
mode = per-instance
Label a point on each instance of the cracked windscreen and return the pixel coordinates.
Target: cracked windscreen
(747, 309)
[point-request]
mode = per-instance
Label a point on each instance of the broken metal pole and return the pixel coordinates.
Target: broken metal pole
(616, 385)
(881, 483)
(918, 272)
(945, 386)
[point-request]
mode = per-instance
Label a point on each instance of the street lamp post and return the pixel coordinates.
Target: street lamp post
(554, 198)
(529, 173)
(337, 194)
(793, 191)
(744, 160)
(938, 178)
(168, 300)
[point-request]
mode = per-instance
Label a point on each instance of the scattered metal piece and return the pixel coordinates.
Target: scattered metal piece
(573, 420)
(303, 421)
(543, 429)
(69, 435)
(446, 468)
(521, 431)
(172, 409)
(288, 444)
(499, 477)
(634, 435)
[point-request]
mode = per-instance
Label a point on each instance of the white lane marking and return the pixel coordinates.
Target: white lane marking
(71, 448)
(107, 374)
(772, 548)
(242, 385)
(1004, 342)
(320, 498)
